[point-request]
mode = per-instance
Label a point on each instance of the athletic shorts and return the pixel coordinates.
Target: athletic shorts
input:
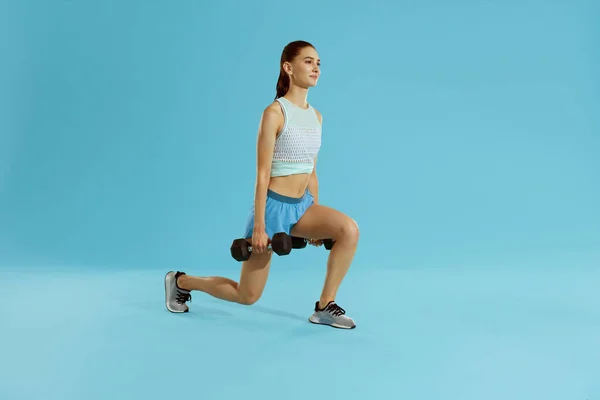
(281, 213)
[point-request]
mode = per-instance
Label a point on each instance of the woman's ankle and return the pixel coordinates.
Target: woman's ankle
(324, 301)
(184, 282)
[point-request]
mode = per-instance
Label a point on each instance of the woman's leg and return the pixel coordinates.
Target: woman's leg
(321, 222)
(253, 279)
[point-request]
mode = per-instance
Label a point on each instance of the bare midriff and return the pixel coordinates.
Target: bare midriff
(290, 185)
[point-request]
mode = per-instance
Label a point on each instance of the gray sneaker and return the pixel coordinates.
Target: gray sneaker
(175, 297)
(332, 315)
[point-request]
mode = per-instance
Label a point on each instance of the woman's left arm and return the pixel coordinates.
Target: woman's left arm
(313, 183)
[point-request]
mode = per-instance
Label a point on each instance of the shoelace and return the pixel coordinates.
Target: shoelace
(182, 297)
(335, 309)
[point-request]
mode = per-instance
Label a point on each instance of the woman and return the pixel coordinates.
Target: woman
(286, 198)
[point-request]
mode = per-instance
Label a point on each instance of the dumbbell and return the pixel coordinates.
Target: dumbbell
(300, 243)
(281, 244)
(328, 243)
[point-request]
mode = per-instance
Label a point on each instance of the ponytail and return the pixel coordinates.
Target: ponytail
(283, 84)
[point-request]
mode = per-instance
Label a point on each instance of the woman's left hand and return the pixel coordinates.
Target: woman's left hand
(315, 242)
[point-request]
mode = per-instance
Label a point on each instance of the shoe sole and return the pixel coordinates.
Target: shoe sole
(333, 325)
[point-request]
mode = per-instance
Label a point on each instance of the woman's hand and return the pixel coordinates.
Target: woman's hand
(260, 241)
(315, 242)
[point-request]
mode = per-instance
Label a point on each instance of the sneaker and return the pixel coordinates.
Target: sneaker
(175, 297)
(332, 315)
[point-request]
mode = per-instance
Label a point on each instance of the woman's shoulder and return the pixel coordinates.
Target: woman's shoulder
(273, 111)
(274, 106)
(272, 117)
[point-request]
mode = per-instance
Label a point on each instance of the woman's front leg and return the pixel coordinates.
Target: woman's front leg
(322, 222)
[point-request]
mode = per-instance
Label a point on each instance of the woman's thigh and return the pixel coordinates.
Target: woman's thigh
(322, 222)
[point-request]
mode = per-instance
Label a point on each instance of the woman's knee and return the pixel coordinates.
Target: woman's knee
(248, 299)
(349, 231)
(254, 277)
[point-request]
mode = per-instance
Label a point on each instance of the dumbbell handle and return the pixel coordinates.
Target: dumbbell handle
(250, 248)
(268, 247)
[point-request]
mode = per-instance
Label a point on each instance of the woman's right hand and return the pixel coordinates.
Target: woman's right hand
(260, 240)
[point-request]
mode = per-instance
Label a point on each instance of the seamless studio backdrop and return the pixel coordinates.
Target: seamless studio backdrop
(463, 137)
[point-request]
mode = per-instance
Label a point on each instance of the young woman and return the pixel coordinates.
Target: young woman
(286, 198)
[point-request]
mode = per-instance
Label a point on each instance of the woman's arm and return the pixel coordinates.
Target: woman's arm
(313, 183)
(270, 124)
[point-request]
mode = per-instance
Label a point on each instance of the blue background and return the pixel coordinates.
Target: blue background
(463, 137)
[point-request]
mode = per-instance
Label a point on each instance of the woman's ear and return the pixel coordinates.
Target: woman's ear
(287, 67)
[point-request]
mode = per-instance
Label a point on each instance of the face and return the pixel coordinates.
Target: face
(305, 69)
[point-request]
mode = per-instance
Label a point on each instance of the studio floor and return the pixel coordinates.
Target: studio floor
(509, 332)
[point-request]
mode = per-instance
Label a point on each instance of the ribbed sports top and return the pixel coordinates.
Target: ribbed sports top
(298, 143)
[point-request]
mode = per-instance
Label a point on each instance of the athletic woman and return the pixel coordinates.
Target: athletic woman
(286, 199)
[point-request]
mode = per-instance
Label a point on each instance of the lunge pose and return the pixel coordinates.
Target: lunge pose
(286, 199)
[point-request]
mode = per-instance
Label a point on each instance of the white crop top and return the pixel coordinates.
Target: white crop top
(298, 143)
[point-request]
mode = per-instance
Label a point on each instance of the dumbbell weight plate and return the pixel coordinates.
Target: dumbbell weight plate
(240, 249)
(298, 242)
(281, 243)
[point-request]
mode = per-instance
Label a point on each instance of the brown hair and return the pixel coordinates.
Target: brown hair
(289, 53)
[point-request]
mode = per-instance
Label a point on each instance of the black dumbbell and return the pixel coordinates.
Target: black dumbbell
(281, 244)
(328, 243)
(300, 243)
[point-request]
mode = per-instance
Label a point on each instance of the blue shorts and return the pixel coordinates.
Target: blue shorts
(281, 213)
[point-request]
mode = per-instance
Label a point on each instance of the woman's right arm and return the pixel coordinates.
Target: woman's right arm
(270, 124)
